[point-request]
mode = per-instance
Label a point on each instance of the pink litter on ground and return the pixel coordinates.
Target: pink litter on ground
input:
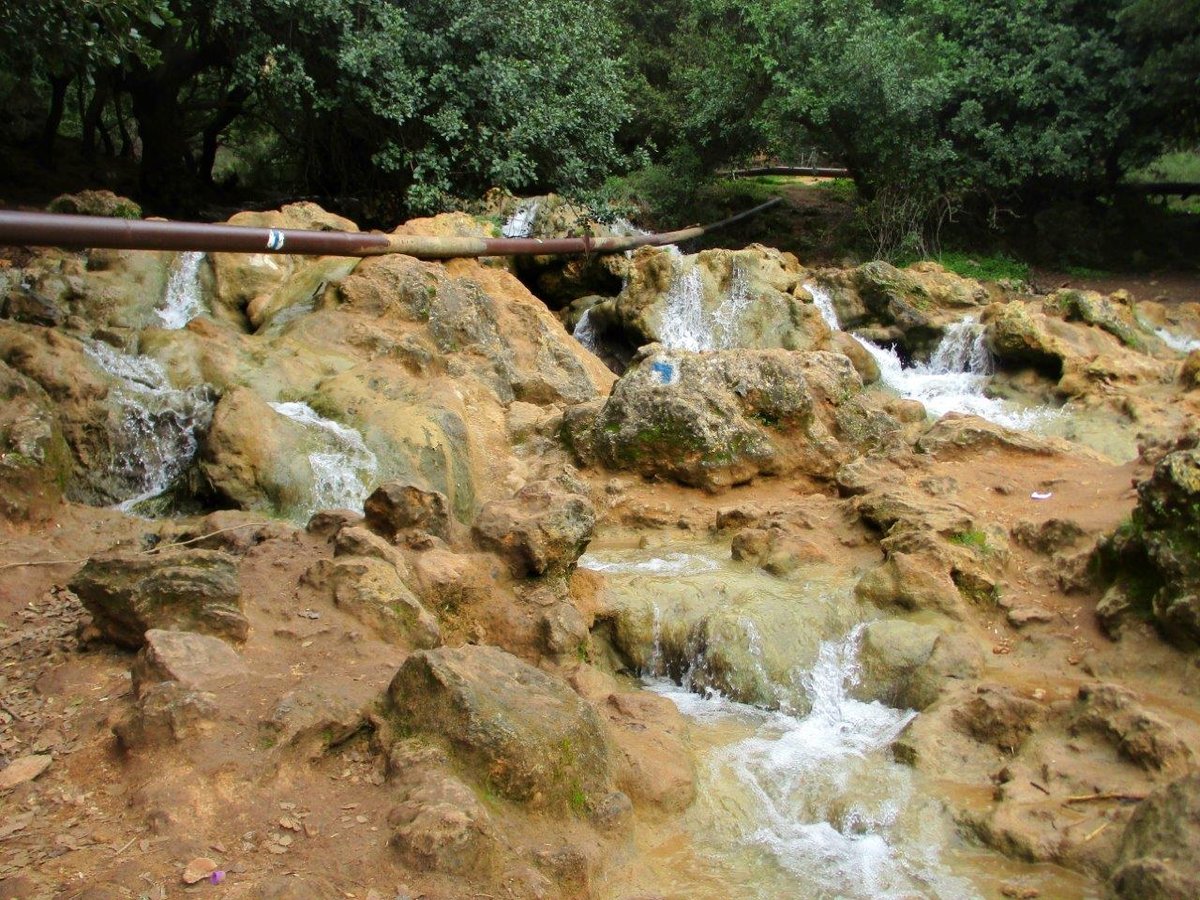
(217, 877)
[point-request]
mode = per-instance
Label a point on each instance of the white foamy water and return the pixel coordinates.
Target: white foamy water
(1177, 342)
(670, 563)
(344, 468)
(520, 223)
(954, 378)
(818, 795)
(585, 332)
(687, 324)
(183, 301)
(159, 427)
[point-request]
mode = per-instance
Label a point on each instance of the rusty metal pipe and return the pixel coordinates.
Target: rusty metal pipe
(37, 229)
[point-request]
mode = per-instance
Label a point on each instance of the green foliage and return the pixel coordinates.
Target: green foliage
(983, 267)
(973, 539)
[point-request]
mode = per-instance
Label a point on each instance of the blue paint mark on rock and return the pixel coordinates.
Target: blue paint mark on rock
(665, 371)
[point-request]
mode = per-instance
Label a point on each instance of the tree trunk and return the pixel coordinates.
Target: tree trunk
(230, 109)
(165, 176)
(58, 99)
(91, 119)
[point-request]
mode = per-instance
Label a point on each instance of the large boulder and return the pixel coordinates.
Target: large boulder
(906, 664)
(395, 507)
(190, 590)
(526, 733)
(194, 661)
(1019, 337)
(543, 529)
(1161, 844)
(713, 420)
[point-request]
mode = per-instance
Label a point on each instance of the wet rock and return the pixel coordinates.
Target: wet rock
(911, 582)
(526, 733)
(718, 419)
(906, 665)
(396, 507)
(253, 288)
(542, 530)
(372, 591)
(96, 203)
(653, 763)
(166, 713)
(195, 590)
(196, 661)
(998, 716)
(1114, 713)
(751, 298)
(1161, 844)
(955, 435)
(1018, 338)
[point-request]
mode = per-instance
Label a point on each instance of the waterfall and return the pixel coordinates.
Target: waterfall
(520, 223)
(585, 332)
(343, 467)
(182, 301)
(954, 378)
(687, 325)
(159, 428)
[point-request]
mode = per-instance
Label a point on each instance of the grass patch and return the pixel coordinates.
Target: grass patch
(1085, 272)
(1182, 165)
(983, 267)
(973, 540)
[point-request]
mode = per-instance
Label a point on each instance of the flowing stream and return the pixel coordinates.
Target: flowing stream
(520, 223)
(954, 378)
(799, 804)
(344, 469)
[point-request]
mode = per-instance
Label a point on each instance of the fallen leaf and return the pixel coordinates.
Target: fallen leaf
(22, 770)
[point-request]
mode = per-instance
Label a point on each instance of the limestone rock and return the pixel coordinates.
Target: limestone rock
(317, 715)
(439, 825)
(654, 764)
(183, 589)
(998, 716)
(166, 713)
(1161, 844)
(726, 299)
(1189, 372)
(1019, 338)
(955, 435)
(24, 769)
(395, 507)
(718, 419)
(912, 583)
(1143, 738)
(35, 462)
(196, 661)
(355, 540)
(372, 591)
(327, 523)
(530, 737)
(905, 664)
(543, 529)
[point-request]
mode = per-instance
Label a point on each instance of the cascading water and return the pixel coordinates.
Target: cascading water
(954, 378)
(791, 804)
(520, 223)
(687, 325)
(183, 301)
(344, 469)
(1177, 342)
(159, 426)
(585, 332)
